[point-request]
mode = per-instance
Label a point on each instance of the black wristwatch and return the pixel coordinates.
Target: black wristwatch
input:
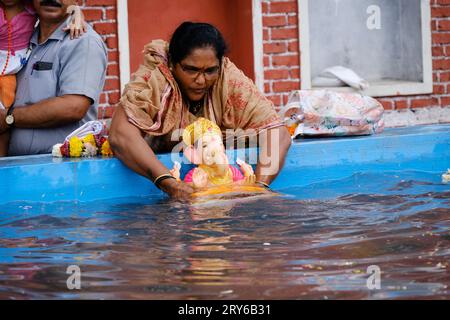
(10, 117)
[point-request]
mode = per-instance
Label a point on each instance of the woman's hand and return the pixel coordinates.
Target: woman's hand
(176, 190)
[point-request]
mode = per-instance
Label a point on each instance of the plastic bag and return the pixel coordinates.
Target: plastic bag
(329, 113)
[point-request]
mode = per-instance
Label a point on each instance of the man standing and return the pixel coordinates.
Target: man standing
(59, 89)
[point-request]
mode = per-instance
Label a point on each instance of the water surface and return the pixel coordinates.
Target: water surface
(313, 242)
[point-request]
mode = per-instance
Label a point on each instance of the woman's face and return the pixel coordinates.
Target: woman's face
(197, 72)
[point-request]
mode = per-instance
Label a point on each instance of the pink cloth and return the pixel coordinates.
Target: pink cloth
(237, 174)
(22, 28)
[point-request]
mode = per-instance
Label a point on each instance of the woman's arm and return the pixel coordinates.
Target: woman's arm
(131, 148)
(273, 148)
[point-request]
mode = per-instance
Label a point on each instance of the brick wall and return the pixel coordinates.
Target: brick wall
(281, 53)
(102, 15)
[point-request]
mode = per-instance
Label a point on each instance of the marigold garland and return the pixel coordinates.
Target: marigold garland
(88, 146)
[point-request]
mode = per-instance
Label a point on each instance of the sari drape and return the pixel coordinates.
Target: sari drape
(153, 101)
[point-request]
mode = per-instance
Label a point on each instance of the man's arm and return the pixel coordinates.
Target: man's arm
(52, 112)
(49, 113)
(273, 148)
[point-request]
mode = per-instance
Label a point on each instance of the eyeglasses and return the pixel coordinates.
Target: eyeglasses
(193, 72)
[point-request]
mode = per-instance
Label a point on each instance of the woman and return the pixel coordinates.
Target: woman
(179, 82)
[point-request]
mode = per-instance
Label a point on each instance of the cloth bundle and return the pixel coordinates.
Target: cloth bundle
(329, 113)
(89, 140)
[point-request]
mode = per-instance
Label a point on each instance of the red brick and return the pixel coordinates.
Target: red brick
(111, 14)
(89, 3)
(267, 87)
(438, 89)
(438, 51)
(434, 24)
(293, 46)
(275, 47)
(276, 99)
(274, 21)
(102, 99)
(441, 64)
(93, 14)
(112, 43)
(291, 60)
(114, 97)
(285, 6)
(276, 74)
(444, 25)
(105, 28)
(285, 33)
(294, 73)
(266, 34)
(445, 101)
(439, 38)
(420, 103)
(113, 70)
(285, 86)
(443, 2)
(293, 20)
(265, 7)
(440, 12)
(444, 76)
(401, 104)
(387, 104)
(266, 61)
(111, 84)
(113, 56)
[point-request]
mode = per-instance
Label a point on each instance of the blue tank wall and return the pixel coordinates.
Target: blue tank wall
(46, 179)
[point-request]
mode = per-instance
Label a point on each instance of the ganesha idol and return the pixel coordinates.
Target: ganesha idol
(205, 148)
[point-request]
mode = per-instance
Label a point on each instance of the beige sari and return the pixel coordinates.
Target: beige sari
(153, 102)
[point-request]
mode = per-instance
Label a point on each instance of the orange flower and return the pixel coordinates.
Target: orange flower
(106, 149)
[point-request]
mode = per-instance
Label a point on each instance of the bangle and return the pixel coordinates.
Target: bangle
(265, 185)
(161, 178)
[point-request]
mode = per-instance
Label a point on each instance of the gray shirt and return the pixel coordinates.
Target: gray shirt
(58, 67)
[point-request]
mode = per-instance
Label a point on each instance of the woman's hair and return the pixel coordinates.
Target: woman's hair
(189, 36)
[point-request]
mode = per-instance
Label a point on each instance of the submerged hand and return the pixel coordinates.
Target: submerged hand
(176, 190)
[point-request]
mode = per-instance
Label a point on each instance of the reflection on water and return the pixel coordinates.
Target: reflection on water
(314, 243)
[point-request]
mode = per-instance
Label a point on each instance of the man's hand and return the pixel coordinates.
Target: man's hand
(3, 126)
(176, 190)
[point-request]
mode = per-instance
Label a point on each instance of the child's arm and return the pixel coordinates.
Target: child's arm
(77, 25)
